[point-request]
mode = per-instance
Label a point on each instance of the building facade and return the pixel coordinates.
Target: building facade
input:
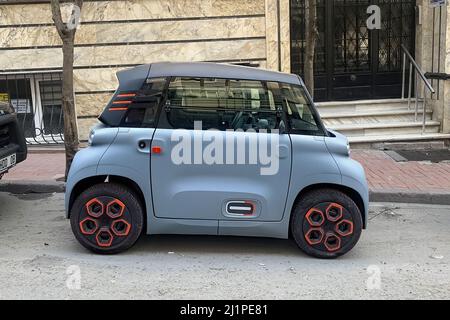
(352, 62)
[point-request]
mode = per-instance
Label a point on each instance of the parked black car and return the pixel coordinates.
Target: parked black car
(13, 148)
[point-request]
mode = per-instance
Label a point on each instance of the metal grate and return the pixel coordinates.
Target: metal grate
(434, 156)
(36, 97)
(397, 29)
(351, 61)
(351, 37)
(298, 37)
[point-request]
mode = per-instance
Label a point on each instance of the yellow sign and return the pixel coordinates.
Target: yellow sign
(4, 97)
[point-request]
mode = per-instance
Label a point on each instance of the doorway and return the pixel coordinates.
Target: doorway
(351, 61)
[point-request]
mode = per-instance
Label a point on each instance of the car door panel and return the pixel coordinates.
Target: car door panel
(202, 191)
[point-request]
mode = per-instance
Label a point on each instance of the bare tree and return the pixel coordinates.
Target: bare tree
(66, 31)
(310, 39)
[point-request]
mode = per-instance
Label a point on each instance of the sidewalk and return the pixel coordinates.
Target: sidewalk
(407, 182)
(388, 180)
(385, 174)
(39, 167)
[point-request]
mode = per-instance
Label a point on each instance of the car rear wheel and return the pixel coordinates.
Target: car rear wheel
(326, 223)
(107, 218)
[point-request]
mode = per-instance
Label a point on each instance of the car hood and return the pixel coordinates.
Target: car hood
(339, 136)
(337, 143)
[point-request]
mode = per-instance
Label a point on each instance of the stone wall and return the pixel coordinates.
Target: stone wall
(446, 85)
(119, 34)
(432, 54)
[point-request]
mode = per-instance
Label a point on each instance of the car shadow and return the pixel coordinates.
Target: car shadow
(194, 244)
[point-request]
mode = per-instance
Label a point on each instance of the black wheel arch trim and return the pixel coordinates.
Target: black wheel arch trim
(85, 183)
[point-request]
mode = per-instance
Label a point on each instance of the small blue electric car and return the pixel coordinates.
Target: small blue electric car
(215, 149)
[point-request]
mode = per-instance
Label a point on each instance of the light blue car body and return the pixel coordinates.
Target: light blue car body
(191, 199)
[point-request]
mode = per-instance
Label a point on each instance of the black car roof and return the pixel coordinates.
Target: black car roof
(218, 70)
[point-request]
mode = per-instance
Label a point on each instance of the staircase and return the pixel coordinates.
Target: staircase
(372, 123)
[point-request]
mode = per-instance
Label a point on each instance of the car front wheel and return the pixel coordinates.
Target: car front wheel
(107, 218)
(326, 223)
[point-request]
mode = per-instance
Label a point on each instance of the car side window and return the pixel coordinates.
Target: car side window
(221, 104)
(300, 115)
(141, 117)
(142, 112)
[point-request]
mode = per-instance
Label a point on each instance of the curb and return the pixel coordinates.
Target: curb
(24, 187)
(410, 197)
(45, 150)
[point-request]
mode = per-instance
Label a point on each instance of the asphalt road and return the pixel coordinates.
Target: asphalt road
(405, 253)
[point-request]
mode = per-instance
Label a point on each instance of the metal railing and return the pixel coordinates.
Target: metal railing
(36, 97)
(418, 74)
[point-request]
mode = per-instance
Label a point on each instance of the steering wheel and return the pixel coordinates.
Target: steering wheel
(236, 119)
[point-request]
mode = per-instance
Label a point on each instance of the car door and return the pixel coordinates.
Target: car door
(217, 153)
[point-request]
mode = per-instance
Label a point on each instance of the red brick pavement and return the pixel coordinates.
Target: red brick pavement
(383, 173)
(38, 167)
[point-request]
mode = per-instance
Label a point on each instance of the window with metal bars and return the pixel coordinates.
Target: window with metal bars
(36, 97)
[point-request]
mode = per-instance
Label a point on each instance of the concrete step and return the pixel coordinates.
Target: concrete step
(371, 123)
(334, 107)
(385, 129)
(372, 117)
(378, 142)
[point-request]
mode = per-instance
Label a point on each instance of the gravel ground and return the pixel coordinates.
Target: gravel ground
(405, 253)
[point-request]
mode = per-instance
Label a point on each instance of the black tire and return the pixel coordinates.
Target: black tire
(334, 236)
(113, 222)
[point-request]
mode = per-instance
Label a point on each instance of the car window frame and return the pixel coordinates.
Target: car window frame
(322, 131)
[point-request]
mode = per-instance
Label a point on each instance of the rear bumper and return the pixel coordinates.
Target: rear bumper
(13, 139)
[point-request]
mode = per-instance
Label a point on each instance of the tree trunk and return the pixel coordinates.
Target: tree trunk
(71, 140)
(67, 32)
(310, 39)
